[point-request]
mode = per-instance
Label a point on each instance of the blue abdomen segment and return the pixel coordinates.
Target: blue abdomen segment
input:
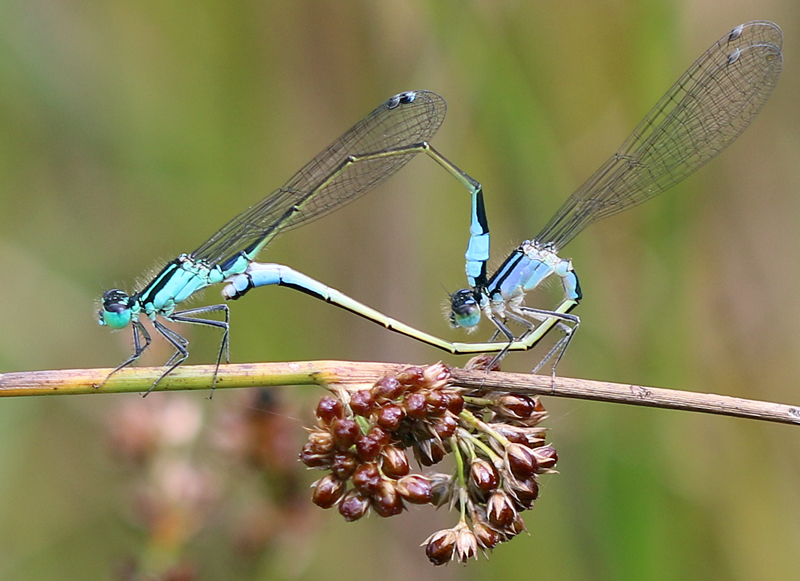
(477, 254)
(260, 274)
(265, 275)
(478, 247)
(572, 288)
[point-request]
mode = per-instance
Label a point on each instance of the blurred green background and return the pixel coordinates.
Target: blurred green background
(129, 132)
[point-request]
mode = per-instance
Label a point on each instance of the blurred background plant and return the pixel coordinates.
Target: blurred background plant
(131, 132)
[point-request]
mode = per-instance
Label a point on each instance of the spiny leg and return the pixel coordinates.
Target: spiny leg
(561, 345)
(501, 328)
(180, 344)
(187, 316)
(184, 342)
(540, 315)
(543, 315)
(138, 348)
(521, 321)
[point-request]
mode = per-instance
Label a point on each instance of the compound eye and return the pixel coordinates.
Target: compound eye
(116, 312)
(114, 296)
(464, 309)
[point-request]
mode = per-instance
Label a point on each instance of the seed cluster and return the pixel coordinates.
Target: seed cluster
(362, 439)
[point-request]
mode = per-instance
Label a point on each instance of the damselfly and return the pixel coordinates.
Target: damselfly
(704, 112)
(714, 101)
(369, 153)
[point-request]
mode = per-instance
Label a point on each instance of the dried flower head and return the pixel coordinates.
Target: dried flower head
(363, 439)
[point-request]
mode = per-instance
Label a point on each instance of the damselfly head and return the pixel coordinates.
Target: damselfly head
(464, 309)
(116, 312)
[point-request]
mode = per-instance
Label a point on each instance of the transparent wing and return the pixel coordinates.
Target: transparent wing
(703, 113)
(328, 181)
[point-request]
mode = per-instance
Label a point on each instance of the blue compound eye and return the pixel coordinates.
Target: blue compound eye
(116, 312)
(464, 309)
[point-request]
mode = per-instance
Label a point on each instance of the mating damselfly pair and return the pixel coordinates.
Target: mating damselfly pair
(706, 110)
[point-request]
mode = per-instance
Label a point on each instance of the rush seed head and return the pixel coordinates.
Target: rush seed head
(365, 440)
